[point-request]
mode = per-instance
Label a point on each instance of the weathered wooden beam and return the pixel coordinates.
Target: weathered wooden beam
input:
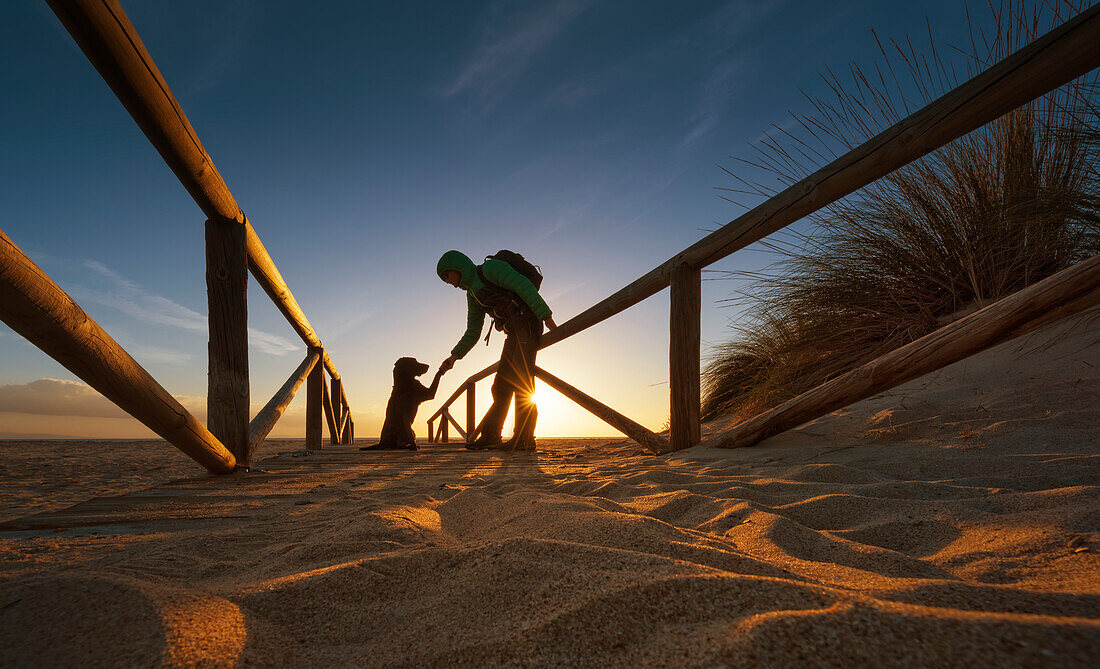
(227, 397)
(683, 357)
(431, 431)
(344, 421)
(458, 428)
(330, 417)
(106, 36)
(1068, 292)
(36, 307)
(443, 435)
(471, 411)
(635, 431)
(351, 432)
(315, 391)
(335, 395)
(268, 416)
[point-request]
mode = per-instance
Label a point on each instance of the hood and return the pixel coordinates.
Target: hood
(458, 261)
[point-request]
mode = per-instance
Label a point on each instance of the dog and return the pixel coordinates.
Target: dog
(405, 399)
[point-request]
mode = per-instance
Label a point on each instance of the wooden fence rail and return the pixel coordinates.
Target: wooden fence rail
(1068, 292)
(106, 36)
(267, 417)
(1060, 56)
(36, 307)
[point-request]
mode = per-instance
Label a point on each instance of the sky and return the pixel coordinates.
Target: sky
(362, 140)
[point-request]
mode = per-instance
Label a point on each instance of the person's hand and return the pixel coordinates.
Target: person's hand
(550, 324)
(447, 364)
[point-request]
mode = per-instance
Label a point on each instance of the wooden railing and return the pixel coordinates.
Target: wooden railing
(38, 309)
(1053, 60)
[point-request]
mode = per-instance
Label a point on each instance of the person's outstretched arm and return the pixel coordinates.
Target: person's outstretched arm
(475, 320)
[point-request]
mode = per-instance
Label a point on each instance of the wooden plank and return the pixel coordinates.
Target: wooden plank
(315, 389)
(104, 33)
(458, 428)
(227, 397)
(268, 416)
(471, 411)
(344, 420)
(1068, 292)
(335, 395)
(635, 431)
(683, 357)
(330, 417)
(36, 307)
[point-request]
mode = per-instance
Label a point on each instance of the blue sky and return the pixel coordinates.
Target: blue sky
(364, 139)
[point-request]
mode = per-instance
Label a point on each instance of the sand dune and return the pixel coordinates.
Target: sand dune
(953, 521)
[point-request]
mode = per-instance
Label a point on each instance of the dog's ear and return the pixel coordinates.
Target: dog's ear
(404, 367)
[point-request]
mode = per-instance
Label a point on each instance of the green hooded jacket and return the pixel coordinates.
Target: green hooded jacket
(499, 273)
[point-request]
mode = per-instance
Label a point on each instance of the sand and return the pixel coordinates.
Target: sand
(953, 521)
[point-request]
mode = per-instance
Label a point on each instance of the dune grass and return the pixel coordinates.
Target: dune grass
(1001, 208)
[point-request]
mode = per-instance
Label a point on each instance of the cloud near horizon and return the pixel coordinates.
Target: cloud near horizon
(58, 397)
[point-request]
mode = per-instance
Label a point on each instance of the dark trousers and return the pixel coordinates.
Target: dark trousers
(515, 377)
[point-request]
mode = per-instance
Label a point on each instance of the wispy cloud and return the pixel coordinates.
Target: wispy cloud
(142, 305)
(507, 46)
(731, 24)
(715, 95)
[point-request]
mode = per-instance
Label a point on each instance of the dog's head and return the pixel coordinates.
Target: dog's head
(408, 368)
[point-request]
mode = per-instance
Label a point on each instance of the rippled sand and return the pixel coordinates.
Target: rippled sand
(953, 521)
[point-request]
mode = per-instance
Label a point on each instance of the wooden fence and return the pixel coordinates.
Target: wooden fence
(39, 310)
(1053, 60)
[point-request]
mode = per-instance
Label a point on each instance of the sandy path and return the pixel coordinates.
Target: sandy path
(954, 521)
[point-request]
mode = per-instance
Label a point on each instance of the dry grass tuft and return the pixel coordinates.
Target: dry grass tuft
(1005, 206)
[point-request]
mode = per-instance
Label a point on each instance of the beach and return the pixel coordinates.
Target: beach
(952, 521)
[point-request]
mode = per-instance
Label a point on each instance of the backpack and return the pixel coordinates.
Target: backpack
(520, 264)
(494, 297)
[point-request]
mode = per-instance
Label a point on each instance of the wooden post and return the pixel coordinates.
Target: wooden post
(36, 308)
(1070, 291)
(337, 409)
(351, 430)
(683, 356)
(444, 436)
(330, 416)
(605, 413)
(261, 425)
(227, 393)
(431, 431)
(315, 391)
(471, 413)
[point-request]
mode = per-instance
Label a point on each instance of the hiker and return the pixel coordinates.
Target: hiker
(505, 287)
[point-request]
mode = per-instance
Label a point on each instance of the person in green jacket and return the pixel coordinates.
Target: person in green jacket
(496, 289)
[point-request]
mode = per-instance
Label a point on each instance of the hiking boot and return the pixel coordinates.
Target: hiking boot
(519, 444)
(484, 443)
